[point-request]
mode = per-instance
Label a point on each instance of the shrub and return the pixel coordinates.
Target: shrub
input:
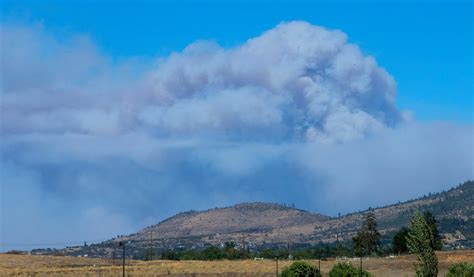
(461, 270)
(346, 270)
(300, 269)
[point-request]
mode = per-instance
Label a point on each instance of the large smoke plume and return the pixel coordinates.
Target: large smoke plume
(297, 114)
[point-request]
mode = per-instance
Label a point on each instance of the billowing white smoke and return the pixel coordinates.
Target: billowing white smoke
(297, 114)
(295, 82)
(298, 80)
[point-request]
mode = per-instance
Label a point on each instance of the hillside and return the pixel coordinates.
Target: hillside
(453, 209)
(241, 218)
(263, 224)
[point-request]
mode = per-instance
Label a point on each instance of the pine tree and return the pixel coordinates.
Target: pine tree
(420, 241)
(437, 244)
(367, 239)
(399, 242)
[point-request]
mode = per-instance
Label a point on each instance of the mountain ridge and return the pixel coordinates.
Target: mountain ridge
(258, 225)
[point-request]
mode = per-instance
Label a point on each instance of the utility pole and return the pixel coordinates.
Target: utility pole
(360, 267)
(319, 266)
(123, 257)
(276, 263)
(151, 245)
(289, 249)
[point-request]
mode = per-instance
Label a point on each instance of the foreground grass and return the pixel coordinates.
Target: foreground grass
(27, 265)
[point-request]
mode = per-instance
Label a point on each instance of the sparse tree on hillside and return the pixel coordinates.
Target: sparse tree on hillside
(420, 241)
(367, 239)
(399, 242)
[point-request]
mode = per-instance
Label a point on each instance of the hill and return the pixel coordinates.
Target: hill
(250, 219)
(241, 218)
(453, 209)
(257, 225)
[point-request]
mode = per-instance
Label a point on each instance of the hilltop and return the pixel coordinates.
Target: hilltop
(258, 225)
(245, 218)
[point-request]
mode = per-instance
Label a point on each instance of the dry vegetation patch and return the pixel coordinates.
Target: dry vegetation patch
(28, 265)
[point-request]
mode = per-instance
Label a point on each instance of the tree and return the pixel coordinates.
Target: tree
(399, 242)
(437, 244)
(169, 254)
(300, 269)
(420, 241)
(367, 239)
(231, 253)
(269, 253)
(212, 253)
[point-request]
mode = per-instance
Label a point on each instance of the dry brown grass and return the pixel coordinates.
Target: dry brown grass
(27, 265)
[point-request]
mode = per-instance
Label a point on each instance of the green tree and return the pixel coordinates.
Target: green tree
(461, 270)
(399, 242)
(212, 253)
(269, 253)
(420, 241)
(231, 253)
(431, 221)
(190, 254)
(367, 239)
(347, 270)
(300, 269)
(169, 254)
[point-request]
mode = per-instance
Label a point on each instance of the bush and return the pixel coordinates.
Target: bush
(461, 270)
(300, 269)
(346, 270)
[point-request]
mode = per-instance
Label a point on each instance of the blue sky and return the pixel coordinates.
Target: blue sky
(118, 115)
(433, 38)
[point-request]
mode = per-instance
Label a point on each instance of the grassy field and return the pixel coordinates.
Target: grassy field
(27, 265)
